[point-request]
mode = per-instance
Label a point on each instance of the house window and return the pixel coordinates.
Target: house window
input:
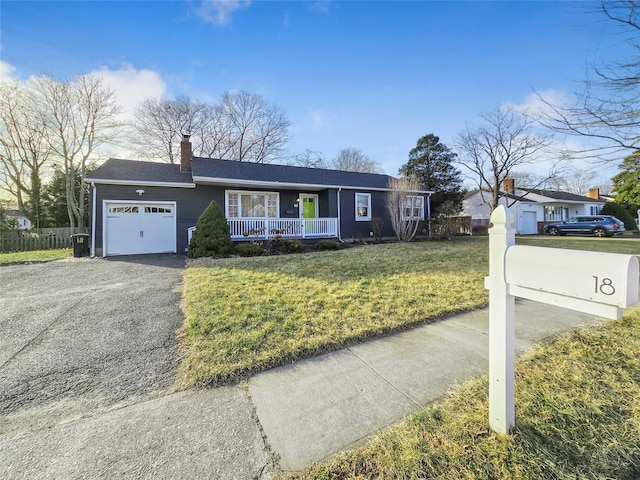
(125, 209)
(157, 209)
(252, 205)
(552, 213)
(363, 207)
(413, 208)
(594, 210)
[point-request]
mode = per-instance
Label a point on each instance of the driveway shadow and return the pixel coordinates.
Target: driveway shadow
(169, 260)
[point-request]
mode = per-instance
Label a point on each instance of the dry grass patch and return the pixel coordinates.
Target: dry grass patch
(35, 256)
(247, 315)
(577, 417)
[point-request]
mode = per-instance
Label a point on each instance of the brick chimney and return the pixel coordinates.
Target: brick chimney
(509, 185)
(185, 154)
(594, 193)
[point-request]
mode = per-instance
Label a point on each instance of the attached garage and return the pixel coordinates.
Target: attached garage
(132, 228)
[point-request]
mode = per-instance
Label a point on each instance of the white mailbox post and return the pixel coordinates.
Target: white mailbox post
(602, 284)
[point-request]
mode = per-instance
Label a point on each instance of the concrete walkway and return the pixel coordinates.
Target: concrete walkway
(315, 408)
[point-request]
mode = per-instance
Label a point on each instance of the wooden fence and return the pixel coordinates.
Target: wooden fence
(36, 239)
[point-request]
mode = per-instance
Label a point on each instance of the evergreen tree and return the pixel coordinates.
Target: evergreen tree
(431, 163)
(54, 198)
(621, 213)
(212, 237)
(626, 184)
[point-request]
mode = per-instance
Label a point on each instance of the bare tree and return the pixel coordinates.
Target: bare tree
(244, 127)
(159, 126)
(402, 202)
(575, 180)
(24, 152)
(493, 150)
(81, 117)
(308, 159)
(258, 130)
(354, 160)
(607, 109)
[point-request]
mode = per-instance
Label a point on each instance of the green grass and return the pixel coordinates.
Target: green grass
(577, 399)
(35, 256)
(577, 417)
(248, 315)
(624, 245)
(245, 315)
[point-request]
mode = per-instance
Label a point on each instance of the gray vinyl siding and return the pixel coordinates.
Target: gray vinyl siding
(351, 229)
(190, 203)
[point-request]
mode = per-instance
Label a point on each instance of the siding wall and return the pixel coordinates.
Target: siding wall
(352, 229)
(191, 202)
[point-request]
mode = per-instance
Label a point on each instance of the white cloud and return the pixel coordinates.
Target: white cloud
(132, 86)
(7, 71)
(318, 119)
(538, 103)
(219, 12)
(322, 6)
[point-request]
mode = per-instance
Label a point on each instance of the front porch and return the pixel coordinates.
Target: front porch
(260, 228)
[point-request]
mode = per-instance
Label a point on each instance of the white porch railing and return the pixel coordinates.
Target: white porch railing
(264, 228)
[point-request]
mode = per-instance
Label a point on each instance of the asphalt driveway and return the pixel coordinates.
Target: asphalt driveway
(88, 358)
(79, 336)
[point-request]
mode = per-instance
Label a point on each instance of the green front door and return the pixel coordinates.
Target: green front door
(309, 207)
(309, 211)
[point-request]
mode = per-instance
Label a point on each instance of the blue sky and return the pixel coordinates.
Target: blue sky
(370, 75)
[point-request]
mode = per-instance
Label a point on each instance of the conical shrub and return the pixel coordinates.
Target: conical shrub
(211, 238)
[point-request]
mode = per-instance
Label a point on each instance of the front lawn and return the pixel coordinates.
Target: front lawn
(34, 256)
(626, 245)
(245, 315)
(248, 315)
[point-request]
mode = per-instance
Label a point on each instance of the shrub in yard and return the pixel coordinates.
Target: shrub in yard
(211, 238)
(328, 245)
(248, 249)
(618, 211)
(377, 226)
(292, 246)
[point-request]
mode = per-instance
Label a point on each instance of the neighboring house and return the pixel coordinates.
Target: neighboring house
(23, 222)
(533, 208)
(142, 207)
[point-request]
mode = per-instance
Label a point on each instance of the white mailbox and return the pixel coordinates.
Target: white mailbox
(599, 283)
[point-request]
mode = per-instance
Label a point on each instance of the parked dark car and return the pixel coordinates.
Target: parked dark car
(597, 225)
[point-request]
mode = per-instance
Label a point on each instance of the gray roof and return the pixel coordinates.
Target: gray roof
(510, 196)
(209, 170)
(116, 170)
(233, 173)
(561, 196)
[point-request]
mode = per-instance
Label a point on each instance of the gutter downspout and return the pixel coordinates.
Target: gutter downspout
(429, 212)
(339, 222)
(93, 220)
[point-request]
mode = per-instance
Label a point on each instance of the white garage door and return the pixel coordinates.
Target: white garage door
(134, 228)
(529, 223)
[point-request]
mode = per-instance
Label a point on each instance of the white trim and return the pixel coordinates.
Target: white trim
(421, 216)
(366, 218)
(105, 213)
(141, 183)
(248, 192)
(282, 185)
(315, 196)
